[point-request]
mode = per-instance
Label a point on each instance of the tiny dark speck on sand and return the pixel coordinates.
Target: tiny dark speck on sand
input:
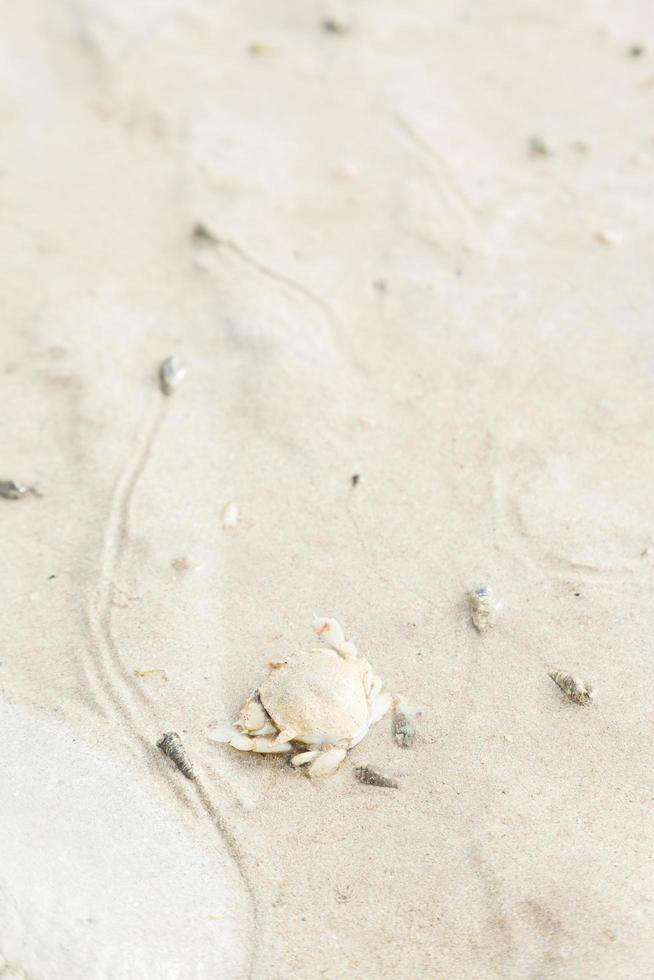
(355, 479)
(332, 26)
(538, 147)
(201, 233)
(636, 51)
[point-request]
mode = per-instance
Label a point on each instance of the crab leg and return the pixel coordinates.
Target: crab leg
(375, 687)
(326, 763)
(378, 708)
(330, 630)
(302, 758)
(261, 744)
(285, 736)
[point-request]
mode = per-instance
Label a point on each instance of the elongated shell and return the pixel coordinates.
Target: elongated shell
(11, 490)
(171, 745)
(372, 777)
(573, 687)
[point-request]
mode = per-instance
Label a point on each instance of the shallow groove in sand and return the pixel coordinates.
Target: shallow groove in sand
(110, 679)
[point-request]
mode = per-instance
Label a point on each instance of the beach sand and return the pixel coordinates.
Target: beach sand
(367, 269)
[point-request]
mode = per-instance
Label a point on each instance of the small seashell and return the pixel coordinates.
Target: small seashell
(171, 374)
(230, 515)
(482, 609)
(404, 731)
(171, 745)
(372, 777)
(577, 690)
(11, 490)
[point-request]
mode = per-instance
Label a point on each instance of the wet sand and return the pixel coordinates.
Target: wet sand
(390, 284)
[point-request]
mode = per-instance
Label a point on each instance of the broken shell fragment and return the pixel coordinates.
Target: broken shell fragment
(230, 515)
(609, 237)
(171, 745)
(573, 687)
(372, 777)
(483, 611)
(171, 374)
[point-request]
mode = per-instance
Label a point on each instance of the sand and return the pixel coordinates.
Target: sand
(387, 283)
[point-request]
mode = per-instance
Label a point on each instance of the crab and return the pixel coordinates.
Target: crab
(315, 705)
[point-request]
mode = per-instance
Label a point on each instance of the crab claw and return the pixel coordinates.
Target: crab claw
(330, 630)
(222, 733)
(263, 743)
(326, 763)
(285, 736)
(252, 717)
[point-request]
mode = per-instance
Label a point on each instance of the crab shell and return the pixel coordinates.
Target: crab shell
(320, 697)
(323, 700)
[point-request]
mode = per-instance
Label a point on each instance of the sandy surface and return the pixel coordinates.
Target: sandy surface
(396, 288)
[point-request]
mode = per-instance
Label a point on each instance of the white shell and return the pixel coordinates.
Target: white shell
(231, 515)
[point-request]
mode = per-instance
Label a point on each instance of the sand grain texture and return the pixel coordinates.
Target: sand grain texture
(389, 284)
